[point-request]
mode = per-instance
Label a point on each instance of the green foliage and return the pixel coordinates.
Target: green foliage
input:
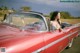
(46, 15)
(5, 10)
(50, 14)
(65, 15)
(78, 17)
(26, 8)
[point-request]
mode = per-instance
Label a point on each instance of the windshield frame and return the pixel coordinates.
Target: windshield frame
(44, 19)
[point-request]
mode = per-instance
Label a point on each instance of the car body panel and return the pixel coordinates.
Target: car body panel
(16, 40)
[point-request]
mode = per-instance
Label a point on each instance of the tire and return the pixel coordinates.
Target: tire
(70, 44)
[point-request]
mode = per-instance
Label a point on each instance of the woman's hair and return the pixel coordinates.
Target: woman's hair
(53, 16)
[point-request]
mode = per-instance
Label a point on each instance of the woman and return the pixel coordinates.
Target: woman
(55, 20)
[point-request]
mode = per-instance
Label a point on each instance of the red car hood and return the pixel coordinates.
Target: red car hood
(13, 40)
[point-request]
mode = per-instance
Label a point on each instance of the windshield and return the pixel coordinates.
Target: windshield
(27, 21)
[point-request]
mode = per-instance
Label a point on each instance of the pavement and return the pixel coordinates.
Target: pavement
(75, 47)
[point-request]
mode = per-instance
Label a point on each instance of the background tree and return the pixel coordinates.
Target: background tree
(3, 10)
(13, 9)
(65, 15)
(25, 8)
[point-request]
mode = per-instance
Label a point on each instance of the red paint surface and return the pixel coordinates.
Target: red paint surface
(17, 41)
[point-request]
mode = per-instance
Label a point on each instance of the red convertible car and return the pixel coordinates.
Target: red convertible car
(31, 32)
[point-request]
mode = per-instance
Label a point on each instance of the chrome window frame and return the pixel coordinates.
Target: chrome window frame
(45, 20)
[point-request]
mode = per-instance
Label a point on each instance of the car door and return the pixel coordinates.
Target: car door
(56, 41)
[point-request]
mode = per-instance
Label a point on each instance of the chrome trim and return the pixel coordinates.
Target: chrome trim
(46, 25)
(43, 18)
(53, 43)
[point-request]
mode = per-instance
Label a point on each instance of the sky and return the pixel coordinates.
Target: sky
(44, 6)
